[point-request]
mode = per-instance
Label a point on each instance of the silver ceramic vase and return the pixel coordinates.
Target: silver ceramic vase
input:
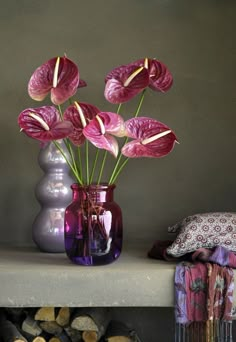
(53, 192)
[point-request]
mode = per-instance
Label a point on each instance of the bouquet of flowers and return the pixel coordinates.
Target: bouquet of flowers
(80, 123)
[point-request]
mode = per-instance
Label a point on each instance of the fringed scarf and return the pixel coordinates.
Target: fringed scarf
(204, 298)
(204, 285)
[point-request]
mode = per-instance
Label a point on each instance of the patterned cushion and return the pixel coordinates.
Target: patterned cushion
(204, 230)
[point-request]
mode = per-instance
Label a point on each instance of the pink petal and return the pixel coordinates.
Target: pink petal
(142, 128)
(116, 90)
(50, 116)
(104, 141)
(71, 114)
(41, 82)
(114, 123)
(160, 78)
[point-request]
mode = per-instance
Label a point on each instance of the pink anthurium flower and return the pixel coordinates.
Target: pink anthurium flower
(100, 130)
(152, 138)
(79, 114)
(59, 75)
(160, 78)
(44, 124)
(124, 82)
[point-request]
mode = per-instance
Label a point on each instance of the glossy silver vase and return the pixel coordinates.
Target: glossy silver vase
(53, 192)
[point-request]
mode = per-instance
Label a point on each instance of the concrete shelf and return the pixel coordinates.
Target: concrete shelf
(29, 278)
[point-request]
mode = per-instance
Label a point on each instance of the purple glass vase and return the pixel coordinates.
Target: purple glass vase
(93, 226)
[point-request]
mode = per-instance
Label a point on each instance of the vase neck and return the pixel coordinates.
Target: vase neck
(95, 193)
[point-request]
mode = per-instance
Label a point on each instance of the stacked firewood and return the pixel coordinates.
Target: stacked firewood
(64, 324)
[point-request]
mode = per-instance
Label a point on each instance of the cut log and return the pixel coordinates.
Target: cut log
(73, 334)
(54, 339)
(51, 327)
(118, 332)
(31, 326)
(61, 338)
(10, 333)
(39, 339)
(45, 314)
(63, 317)
(90, 336)
(84, 322)
(91, 319)
(119, 339)
(30, 338)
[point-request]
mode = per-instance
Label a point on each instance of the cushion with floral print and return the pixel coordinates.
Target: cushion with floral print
(206, 230)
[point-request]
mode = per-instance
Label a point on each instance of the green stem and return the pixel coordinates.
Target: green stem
(94, 166)
(118, 109)
(113, 175)
(80, 163)
(102, 167)
(71, 152)
(75, 172)
(87, 160)
(120, 169)
(140, 103)
(116, 165)
(60, 111)
(105, 154)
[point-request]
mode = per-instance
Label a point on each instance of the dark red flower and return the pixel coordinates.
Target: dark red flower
(44, 124)
(59, 75)
(124, 82)
(160, 78)
(152, 138)
(79, 114)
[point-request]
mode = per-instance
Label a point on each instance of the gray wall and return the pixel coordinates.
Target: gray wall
(196, 39)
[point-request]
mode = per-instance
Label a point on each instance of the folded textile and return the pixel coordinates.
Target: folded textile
(204, 285)
(219, 255)
(203, 302)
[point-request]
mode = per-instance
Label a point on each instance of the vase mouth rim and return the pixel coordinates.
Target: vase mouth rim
(93, 186)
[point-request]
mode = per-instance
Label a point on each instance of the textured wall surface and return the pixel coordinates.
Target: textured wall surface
(195, 39)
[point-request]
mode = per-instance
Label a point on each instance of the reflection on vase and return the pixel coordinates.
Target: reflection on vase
(54, 194)
(93, 226)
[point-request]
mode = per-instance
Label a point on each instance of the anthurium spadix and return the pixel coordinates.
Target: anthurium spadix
(151, 138)
(44, 124)
(160, 78)
(59, 75)
(79, 114)
(124, 82)
(101, 129)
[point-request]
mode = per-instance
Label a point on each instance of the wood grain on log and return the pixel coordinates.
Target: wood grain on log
(63, 337)
(74, 335)
(84, 322)
(91, 319)
(51, 327)
(45, 314)
(119, 339)
(54, 339)
(39, 339)
(31, 326)
(63, 317)
(90, 336)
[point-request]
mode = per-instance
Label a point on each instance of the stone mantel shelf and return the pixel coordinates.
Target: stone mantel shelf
(29, 278)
